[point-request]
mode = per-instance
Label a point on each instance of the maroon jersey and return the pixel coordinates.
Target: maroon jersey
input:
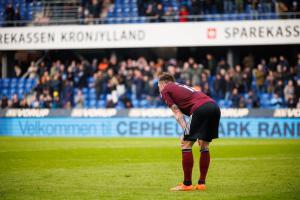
(186, 98)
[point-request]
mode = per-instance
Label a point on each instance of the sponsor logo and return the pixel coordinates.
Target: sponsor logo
(27, 113)
(93, 112)
(211, 33)
(287, 113)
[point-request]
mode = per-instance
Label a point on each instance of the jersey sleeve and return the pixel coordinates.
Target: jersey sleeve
(167, 98)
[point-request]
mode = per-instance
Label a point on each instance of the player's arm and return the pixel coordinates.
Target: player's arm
(180, 118)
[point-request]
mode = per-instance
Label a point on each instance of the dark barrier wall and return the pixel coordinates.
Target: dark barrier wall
(144, 127)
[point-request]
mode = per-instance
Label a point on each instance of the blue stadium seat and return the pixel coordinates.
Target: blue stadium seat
(120, 105)
(135, 103)
(144, 104)
(92, 103)
(101, 104)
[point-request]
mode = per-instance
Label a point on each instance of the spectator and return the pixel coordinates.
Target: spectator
(295, 9)
(229, 85)
(170, 14)
(151, 93)
(235, 98)
(298, 69)
(94, 8)
(186, 73)
(297, 89)
(42, 69)
(289, 91)
(266, 6)
(32, 71)
(67, 93)
(211, 63)
(17, 71)
(103, 65)
(298, 104)
(276, 101)
(228, 6)
(209, 7)
(47, 98)
(138, 83)
(9, 14)
(15, 101)
(279, 88)
(159, 13)
(99, 83)
(197, 7)
(247, 79)
(239, 4)
(23, 103)
(56, 103)
(79, 99)
(82, 76)
(150, 12)
(279, 72)
(281, 7)
(196, 72)
(183, 13)
(270, 82)
(238, 78)
(219, 6)
(273, 63)
(220, 86)
(260, 77)
(242, 102)
(253, 4)
(4, 102)
(206, 89)
(248, 61)
(283, 62)
(55, 83)
(252, 100)
(291, 102)
(17, 18)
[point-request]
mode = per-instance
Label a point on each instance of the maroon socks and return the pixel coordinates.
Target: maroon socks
(204, 164)
(187, 165)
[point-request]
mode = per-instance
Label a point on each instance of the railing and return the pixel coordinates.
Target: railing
(142, 19)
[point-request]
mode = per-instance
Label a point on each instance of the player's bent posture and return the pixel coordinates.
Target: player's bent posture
(203, 127)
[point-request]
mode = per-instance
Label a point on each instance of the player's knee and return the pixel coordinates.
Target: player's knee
(186, 144)
(203, 144)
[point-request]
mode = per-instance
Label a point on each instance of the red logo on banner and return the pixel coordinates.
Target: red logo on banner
(211, 33)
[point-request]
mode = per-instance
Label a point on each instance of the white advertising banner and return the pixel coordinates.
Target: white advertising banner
(229, 33)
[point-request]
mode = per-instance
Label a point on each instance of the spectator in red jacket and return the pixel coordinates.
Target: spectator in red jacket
(183, 14)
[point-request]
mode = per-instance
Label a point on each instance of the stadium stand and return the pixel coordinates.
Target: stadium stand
(41, 12)
(271, 83)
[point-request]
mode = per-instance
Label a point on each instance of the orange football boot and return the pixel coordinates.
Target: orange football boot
(200, 187)
(182, 187)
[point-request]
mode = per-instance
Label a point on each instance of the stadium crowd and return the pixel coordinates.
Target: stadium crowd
(13, 12)
(173, 10)
(109, 82)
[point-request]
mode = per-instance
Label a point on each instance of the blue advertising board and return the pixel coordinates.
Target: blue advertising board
(145, 127)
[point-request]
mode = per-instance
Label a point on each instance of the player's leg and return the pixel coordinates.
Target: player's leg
(187, 166)
(203, 163)
(208, 131)
(187, 161)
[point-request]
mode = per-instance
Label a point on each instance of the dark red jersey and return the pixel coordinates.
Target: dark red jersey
(186, 98)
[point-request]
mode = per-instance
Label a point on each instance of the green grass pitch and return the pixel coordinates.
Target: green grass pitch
(136, 169)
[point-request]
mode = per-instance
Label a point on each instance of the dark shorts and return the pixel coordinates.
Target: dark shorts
(204, 123)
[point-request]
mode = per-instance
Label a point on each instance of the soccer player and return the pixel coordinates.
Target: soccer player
(203, 127)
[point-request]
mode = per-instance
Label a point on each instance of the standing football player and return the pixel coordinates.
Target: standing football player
(204, 120)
